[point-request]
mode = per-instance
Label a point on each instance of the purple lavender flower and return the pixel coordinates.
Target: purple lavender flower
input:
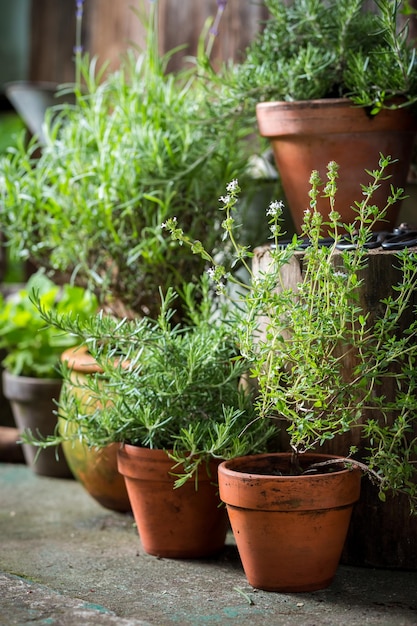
(79, 9)
(78, 49)
(221, 5)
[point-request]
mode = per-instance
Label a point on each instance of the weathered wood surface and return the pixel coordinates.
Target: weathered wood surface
(381, 534)
(110, 27)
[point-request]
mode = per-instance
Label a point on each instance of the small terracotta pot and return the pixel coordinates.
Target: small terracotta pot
(95, 469)
(307, 135)
(176, 523)
(289, 530)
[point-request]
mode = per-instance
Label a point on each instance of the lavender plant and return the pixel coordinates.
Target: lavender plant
(297, 340)
(136, 148)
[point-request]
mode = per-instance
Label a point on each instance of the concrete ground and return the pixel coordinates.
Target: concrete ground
(66, 561)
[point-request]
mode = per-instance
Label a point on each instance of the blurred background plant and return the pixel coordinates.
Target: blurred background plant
(31, 348)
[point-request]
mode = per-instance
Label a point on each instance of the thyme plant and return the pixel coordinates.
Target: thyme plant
(163, 385)
(299, 340)
(312, 49)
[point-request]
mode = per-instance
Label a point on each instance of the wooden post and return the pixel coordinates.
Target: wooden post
(381, 534)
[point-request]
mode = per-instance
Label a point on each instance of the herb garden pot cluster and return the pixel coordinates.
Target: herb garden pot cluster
(180, 400)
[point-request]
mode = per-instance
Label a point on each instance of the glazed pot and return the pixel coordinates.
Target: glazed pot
(95, 469)
(307, 135)
(33, 402)
(176, 523)
(289, 530)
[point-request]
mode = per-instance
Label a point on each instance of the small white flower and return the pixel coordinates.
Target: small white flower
(211, 272)
(224, 199)
(232, 186)
(275, 208)
(172, 221)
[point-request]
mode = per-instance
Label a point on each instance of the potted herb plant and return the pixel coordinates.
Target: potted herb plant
(136, 148)
(322, 366)
(332, 82)
(31, 378)
(173, 401)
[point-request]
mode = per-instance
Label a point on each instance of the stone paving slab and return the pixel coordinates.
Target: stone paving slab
(23, 603)
(66, 561)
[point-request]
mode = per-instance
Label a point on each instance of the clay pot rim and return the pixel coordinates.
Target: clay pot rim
(308, 104)
(328, 103)
(130, 455)
(266, 492)
(226, 467)
(33, 380)
(79, 359)
(328, 116)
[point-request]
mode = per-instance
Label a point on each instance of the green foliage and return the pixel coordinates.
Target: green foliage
(163, 385)
(32, 349)
(321, 363)
(10, 127)
(311, 49)
(136, 148)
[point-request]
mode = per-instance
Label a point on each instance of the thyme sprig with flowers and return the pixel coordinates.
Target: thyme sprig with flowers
(322, 363)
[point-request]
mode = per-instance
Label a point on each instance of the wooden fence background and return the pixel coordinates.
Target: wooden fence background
(110, 26)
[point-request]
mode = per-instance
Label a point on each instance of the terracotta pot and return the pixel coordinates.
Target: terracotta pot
(95, 469)
(289, 530)
(33, 402)
(306, 135)
(173, 523)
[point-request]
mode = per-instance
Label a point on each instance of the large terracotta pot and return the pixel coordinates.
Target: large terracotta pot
(289, 530)
(307, 135)
(95, 469)
(33, 402)
(176, 523)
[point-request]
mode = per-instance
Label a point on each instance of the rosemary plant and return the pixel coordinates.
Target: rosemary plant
(312, 49)
(163, 385)
(299, 339)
